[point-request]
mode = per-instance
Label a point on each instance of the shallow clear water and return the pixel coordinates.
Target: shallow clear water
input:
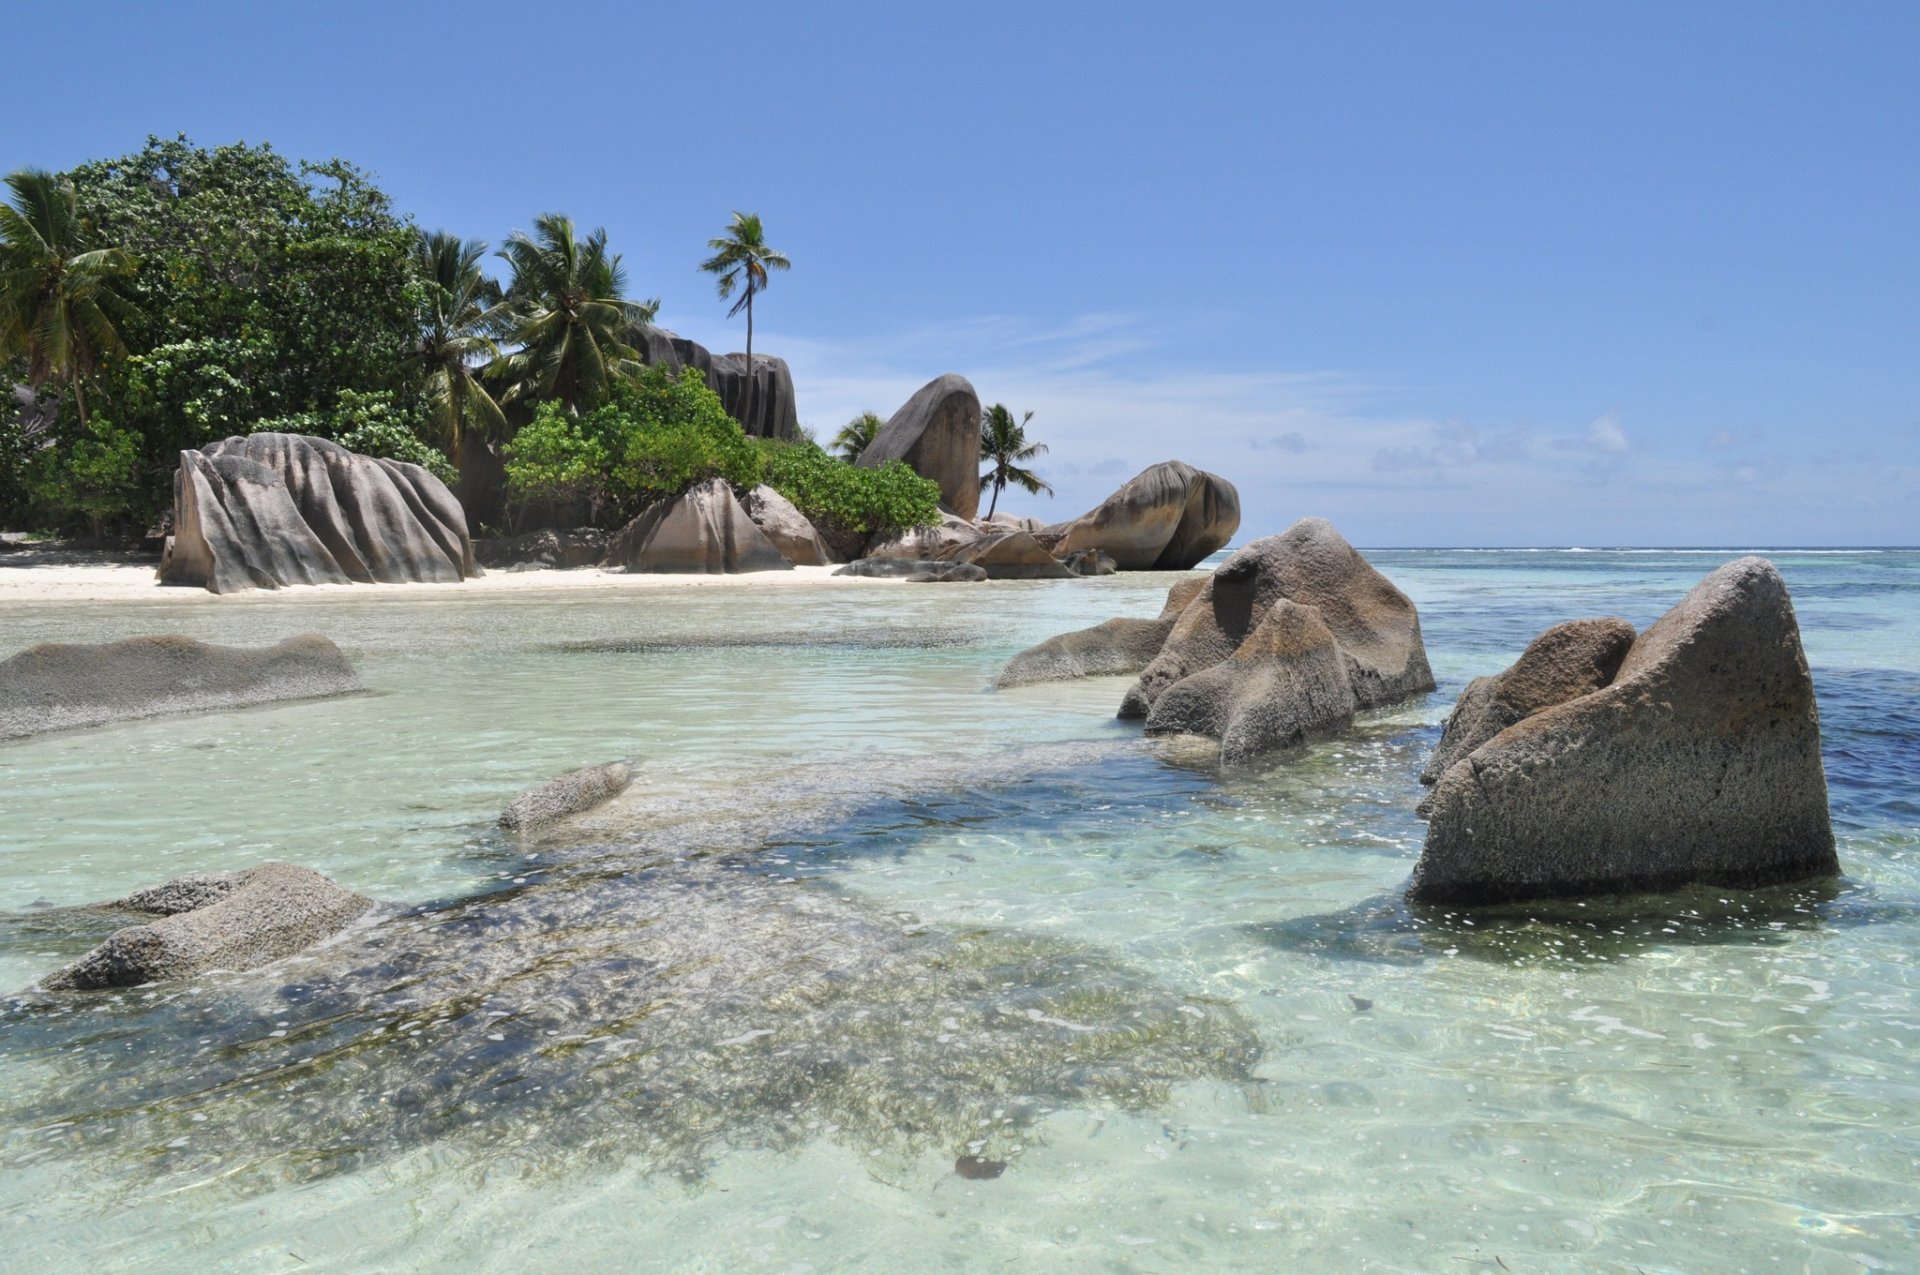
(861, 915)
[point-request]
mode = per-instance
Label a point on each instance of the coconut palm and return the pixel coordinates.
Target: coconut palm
(1002, 444)
(569, 316)
(856, 436)
(59, 298)
(741, 259)
(461, 310)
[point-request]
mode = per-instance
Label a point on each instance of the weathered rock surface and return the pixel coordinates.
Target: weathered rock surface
(1090, 562)
(702, 531)
(559, 550)
(1699, 762)
(893, 568)
(227, 920)
(568, 794)
(1007, 555)
(937, 433)
(1287, 682)
(61, 686)
(268, 510)
(1312, 565)
(1112, 649)
(789, 530)
(924, 543)
(957, 573)
(1166, 518)
(1010, 523)
(1567, 661)
(773, 413)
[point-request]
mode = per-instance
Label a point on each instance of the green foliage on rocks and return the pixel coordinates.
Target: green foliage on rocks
(834, 494)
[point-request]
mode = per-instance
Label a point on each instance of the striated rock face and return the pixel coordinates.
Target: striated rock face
(269, 510)
(773, 414)
(1287, 682)
(788, 528)
(1567, 661)
(937, 433)
(1699, 762)
(567, 794)
(1114, 648)
(702, 531)
(60, 686)
(1007, 555)
(1312, 565)
(227, 920)
(1167, 518)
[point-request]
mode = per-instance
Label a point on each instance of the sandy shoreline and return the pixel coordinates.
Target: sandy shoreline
(78, 577)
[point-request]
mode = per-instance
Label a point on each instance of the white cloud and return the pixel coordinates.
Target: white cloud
(1606, 435)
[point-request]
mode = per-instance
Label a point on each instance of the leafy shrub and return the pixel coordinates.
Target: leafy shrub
(834, 494)
(657, 435)
(96, 476)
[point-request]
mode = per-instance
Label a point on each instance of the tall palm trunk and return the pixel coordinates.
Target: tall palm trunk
(749, 412)
(995, 502)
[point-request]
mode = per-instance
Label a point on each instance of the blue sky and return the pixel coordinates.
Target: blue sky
(1446, 274)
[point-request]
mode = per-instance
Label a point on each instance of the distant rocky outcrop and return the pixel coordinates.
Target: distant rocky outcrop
(1007, 554)
(1112, 649)
(60, 686)
(1567, 661)
(1166, 518)
(1698, 762)
(267, 510)
(772, 415)
(937, 434)
(791, 533)
(1311, 565)
(702, 531)
(558, 550)
(568, 794)
(226, 920)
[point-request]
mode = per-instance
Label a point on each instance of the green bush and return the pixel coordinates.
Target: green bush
(834, 494)
(96, 476)
(657, 435)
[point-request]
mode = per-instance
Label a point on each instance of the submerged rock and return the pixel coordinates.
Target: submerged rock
(1698, 762)
(1567, 661)
(1166, 518)
(781, 522)
(567, 794)
(61, 686)
(227, 920)
(702, 531)
(268, 510)
(1116, 647)
(1310, 564)
(937, 433)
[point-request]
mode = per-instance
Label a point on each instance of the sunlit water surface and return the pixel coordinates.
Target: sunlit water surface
(862, 920)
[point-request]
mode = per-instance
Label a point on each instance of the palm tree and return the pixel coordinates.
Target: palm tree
(462, 307)
(856, 436)
(570, 318)
(58, 288)
(741, 258)
(1002, 443)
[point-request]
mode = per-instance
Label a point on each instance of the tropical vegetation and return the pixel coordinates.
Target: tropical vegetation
(741, 260)
(1003, 446)
(856, 436)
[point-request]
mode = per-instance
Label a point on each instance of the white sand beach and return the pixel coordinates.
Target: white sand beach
(82, 576)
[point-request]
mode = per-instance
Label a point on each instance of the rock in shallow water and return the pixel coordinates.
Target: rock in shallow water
(567, 794)
(1699, 762)
(1119, 646)
(60, 685)
(228, 920)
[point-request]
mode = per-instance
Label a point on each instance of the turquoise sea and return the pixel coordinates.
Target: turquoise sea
(877, 969)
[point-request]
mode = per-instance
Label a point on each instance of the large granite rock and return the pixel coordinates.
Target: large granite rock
(1567, 661)
(1166, 518)
(702, 531)
(1112, 649)
(1312, 565)
(1007, 555)
(564, 795)
(227, 920)
(60, 686)
(937, 433)
(1699, 762)
(270, 509)
(772, 414)
(788, 528)
(549, 548)
(1286, 683)
(1090, 562)
(924, 543)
